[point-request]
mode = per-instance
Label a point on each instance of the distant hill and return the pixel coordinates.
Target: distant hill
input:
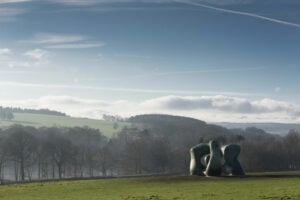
(180, 127)
(155, 123)
(47, 120)
(187, 123)
(274, 128)
(170, 119)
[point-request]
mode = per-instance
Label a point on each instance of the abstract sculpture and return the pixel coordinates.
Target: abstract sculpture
(212, 160)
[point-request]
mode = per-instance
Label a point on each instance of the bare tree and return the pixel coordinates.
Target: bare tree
(59, 149)
(21, 148)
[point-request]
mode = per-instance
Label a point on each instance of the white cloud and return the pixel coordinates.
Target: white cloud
(216, 108)
(5, 51)
(222, 103)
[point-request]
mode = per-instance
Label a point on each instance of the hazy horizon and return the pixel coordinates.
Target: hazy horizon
(235, 61)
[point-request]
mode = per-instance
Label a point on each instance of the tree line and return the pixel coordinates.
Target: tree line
(38, 111)
(6, 113)
(156, 147)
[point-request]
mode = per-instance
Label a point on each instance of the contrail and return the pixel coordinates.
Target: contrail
(278, 21)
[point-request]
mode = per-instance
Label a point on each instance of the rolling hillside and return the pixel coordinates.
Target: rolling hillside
(39, 120)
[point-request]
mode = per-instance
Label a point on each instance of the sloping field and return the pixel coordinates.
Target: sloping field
(161, 188)
(38, 120)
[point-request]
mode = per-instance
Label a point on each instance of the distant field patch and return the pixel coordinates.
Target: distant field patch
(38, 120)
(159, 188)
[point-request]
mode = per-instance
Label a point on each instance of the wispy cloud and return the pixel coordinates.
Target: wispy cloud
(278, 89)
(216, 108)
(5, 51)
(226, 2)
(133, 56)
(40, 56)
(185, 72)
(93, 2)
(76, 46)
(253, 15)
(63, 41)
(127, 90)
(8, 12)
(37, 54)
(30, 58)
(217, 70)
(83, 2)
(47, 38)
(13, 1)
(4, 72)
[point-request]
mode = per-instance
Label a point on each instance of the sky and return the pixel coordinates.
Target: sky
(218, 61)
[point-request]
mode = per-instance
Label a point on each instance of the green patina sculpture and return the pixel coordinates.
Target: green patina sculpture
(212, 160)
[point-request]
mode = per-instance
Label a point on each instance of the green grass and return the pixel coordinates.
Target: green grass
(38, 120)
(159, 188)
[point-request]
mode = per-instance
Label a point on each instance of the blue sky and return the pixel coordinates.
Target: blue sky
(231, 60)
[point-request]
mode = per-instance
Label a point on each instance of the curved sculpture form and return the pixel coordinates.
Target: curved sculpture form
(214, 166)
(212, 160)
(232, 165)
(197, 165)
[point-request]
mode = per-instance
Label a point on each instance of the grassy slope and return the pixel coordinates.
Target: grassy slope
(38, 120)
(158, 188)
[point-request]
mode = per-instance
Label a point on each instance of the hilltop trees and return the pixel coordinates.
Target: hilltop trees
(6, 113)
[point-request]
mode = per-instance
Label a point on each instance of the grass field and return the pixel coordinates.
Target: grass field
(39, 120)
(160, 188)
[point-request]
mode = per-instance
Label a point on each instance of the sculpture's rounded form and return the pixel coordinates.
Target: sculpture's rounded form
(212, 160)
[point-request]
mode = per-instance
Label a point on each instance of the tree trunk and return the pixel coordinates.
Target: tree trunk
(22, 169)
(53, 171)
(39, 168)
(16, 171)
(59, 166)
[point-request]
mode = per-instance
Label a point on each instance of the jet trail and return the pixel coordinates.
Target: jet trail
(278, 21)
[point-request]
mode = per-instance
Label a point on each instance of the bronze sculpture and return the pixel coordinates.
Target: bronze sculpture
(212, 160)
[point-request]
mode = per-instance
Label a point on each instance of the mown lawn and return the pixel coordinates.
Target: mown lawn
(158, 188)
